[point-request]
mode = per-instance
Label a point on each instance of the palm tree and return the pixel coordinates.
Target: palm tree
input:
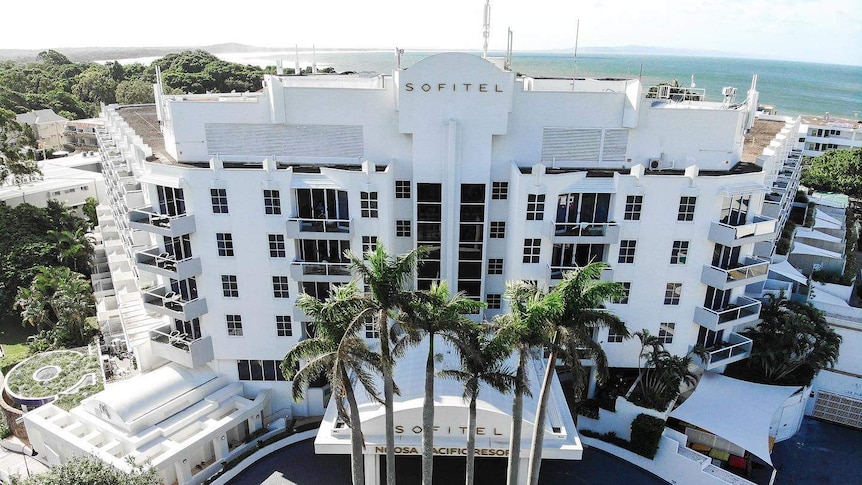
(336, 351)
(482, 361)
(524, 327)
(58, 300)
(73, 247)
(582, 294)
(792, 343)
(662, 373)
(386, 277)
(431, 313)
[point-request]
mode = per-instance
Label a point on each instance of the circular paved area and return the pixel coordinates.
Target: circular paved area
(297, 464)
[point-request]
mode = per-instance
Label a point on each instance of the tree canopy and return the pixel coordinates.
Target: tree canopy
(836, 171)
(86, 470)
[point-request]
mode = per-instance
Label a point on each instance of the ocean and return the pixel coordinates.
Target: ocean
(793, 88)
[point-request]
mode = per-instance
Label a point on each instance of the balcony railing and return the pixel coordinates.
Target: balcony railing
(556, 272)
(606, 232)
(298, 227)
(761, 228)
(745, 311)
(320, 271)
(161, 263)
(754, 270)
(165, 302)
(181, 348)
(148, 220)
(736, 348)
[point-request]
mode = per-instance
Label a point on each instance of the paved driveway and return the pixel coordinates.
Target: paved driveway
(820, 453)
(297, 464)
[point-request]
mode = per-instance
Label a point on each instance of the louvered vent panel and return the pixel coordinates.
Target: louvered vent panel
(564, 144)
(616, 142)
(285, 140)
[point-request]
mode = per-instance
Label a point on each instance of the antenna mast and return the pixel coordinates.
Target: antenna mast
(486, 28)
(507, 64)
(575, 70)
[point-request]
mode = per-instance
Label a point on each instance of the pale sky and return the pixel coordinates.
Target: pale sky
(807, 30)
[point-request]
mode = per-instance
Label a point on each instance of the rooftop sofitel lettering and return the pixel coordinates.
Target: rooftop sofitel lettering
(465, 87)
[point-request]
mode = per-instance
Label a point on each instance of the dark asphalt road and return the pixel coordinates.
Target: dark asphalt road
(821, 453)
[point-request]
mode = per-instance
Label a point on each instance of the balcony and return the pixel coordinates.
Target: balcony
(761, 228)
(736, 348)
(746, 311)
(180, 348)
(556, 273)
(164, 264)
(146, 219)
(314, 271)
(754, 270)
(165, 302)
(302, 228)
(586, 232)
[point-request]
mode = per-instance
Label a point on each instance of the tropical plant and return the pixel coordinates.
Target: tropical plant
(792, 343)
(58, 301)
(386, 277)
(336, 351)
(583, 294)
(74, 247)
(483, 358)
(524, 328)
(86, 470)
(431, 313)
(662, 373)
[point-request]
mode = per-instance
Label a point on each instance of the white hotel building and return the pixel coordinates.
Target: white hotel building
(228, 206)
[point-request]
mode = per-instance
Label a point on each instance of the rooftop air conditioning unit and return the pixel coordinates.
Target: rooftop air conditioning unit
(655, 164)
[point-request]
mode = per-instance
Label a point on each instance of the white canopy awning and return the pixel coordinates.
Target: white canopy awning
(786, 269)
(732, 190)
(801, 248)
(822, 219)
(746, 422)
(313, 182)
(805, 233)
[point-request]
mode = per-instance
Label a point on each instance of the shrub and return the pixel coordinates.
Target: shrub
(646, 433)
(4, 427)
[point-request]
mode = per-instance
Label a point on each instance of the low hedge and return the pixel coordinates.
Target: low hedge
(646, 434)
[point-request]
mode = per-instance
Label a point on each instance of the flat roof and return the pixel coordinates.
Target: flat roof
(145, 122)
(831, 121)
(759, 137)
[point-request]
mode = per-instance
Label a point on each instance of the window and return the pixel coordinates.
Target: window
(219, 200)
(493, 300)
(686, 208)
(371, 328)
(499, 190)
(229, 286)
(615, 338)
(665, 332)
(627, 290)
(532, 250)
(535, 207)
(679, 252)
(224, 242)
(283, 327)
(276, 246)
(672, 293)
(627, 251)
(402, 228)
(272, 202)
(234, 325)
(369, 243)
(368, 204)
(495, 266)
(634, 203)
(402, 189)
(259, 370)
(280, 287)
(498, 229)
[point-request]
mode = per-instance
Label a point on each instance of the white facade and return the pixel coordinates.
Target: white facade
(228, 206)
(70, 180)
(819, 134)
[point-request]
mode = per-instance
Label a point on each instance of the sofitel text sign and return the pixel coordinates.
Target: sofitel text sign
(454, 87)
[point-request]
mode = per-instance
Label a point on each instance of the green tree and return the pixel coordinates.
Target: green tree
(135, 91)
(525, 328)
(86, 470)
(431, 313)
(483, 358)
(662, 373)
(95, 85)
(336, 351)
(58, 302)
(835, 171)
(53, 57)
(792, 343)
(386, 277)
(89, 210)
(583, 294)
(74, 248)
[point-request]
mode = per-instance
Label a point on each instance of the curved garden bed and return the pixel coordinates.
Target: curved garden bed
(63, 377)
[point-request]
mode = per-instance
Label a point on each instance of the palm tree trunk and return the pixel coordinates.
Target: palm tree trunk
(428, 415)
(357, 441)
(471, 440)
(541, 415)
(517, 421)
(388, 392)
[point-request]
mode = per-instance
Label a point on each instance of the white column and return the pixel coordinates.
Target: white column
(372, 469)
(524, 470)
(221, 448)
(184, 471)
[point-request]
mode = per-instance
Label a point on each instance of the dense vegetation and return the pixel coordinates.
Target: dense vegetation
(86, 470)
(75, 89)
(836, 171)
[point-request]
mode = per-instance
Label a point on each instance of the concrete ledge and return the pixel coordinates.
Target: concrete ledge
(241, 466)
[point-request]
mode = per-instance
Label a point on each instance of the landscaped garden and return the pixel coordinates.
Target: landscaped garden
(63, 377)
